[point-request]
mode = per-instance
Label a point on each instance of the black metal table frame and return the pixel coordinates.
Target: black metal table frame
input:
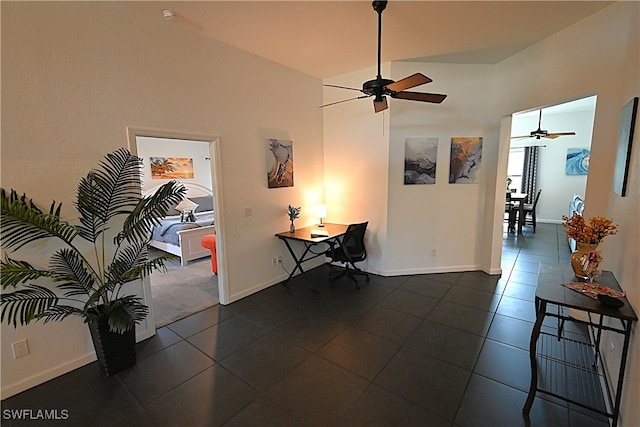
(303, 258)
(332, 240)
(596, 328)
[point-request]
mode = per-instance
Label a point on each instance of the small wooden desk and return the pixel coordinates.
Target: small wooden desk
(563, 367)
(335, 231)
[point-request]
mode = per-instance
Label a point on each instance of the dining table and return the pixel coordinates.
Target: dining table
(519, 198)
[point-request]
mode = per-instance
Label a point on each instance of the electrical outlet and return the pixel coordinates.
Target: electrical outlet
(274, 261)
(434, 252)
(612, 347)
(279, 259)
(20, 348)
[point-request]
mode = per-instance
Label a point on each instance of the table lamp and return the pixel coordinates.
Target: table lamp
(321, 212)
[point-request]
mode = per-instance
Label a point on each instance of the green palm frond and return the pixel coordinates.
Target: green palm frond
(150, 211)
(72, 275)
(16, 272)
(123, 266)
(108, 192)
(22, 222)
(155, 264)
(24, 305)
(59, 312)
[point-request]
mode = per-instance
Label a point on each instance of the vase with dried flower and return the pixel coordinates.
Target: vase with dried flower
(587, 236)
(293, 214)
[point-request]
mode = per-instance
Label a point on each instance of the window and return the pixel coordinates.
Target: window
(514, 167)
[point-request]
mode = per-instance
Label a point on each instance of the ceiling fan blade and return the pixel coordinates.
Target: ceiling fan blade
(380, 105)
(521, 137)
(557, 134)
(417, 96)
(343, 87)
(344, 100)
(414, 80)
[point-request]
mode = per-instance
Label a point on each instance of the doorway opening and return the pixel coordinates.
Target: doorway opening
(190, 283)
(561, 164)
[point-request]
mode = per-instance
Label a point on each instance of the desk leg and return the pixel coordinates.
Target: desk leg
(297, 260)
(541, 308)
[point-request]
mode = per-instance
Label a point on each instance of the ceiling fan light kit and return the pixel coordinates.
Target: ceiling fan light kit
(380, 88)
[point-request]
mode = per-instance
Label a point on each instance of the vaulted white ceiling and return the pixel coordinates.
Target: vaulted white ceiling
(330, 38)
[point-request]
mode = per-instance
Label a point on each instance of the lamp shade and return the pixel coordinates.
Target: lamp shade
(186, 205)
(321, 211)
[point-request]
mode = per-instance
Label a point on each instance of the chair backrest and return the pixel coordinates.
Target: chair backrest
(535, 202)
(353, 242)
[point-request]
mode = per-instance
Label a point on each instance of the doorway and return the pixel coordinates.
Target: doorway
(562, 163)
(189, 285)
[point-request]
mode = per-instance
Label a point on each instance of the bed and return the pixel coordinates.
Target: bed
(181, 237)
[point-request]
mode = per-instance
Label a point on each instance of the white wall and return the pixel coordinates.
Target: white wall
(198, 151)
(356, 153)
(448, 217)
(75, 75)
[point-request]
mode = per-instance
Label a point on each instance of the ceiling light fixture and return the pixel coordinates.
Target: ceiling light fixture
(169, 15)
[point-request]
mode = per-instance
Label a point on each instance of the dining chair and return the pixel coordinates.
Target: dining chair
(511, 211)
(530, 211)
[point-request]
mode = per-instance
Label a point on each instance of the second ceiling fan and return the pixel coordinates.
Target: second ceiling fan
(540, 133)
(380, 88)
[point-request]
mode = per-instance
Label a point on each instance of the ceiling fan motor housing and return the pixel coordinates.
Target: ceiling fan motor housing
(375, 87)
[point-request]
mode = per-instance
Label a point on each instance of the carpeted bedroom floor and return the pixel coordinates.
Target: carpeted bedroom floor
(182, 291)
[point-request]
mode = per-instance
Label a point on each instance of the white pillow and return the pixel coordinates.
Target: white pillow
(186, 205)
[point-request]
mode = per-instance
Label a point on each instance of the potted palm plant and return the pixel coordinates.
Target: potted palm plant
(96, 261)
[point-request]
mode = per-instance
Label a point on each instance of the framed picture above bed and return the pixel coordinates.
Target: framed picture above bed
(171, 168)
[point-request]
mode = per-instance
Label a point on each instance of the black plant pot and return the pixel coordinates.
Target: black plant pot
(115, 351)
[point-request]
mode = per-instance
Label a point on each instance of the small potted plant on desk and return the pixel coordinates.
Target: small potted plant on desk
(94, 263)
(293, 214)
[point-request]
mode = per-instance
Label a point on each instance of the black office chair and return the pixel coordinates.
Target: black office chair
(350, 251)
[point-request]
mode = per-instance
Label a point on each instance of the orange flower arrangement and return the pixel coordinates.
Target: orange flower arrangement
(598, 228)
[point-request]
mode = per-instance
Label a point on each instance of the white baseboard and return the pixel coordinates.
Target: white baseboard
(49, 374)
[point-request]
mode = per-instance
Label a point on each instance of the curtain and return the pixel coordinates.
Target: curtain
(530, 172)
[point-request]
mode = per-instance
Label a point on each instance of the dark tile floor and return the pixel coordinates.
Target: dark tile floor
(446, 349)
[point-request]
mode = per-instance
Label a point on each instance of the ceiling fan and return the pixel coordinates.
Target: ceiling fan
(540, 133)
(381, 88)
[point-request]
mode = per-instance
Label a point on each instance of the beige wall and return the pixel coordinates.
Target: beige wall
(75, 75)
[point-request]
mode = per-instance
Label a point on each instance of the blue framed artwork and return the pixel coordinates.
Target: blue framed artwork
(623, 153)
(577, 161)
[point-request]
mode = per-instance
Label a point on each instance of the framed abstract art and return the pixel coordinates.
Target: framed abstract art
(623, 153)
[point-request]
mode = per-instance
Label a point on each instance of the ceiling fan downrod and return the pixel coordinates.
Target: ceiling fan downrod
(379, 6)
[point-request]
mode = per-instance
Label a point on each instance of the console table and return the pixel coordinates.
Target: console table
(567, 368)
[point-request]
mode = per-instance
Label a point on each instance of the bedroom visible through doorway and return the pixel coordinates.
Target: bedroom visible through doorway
(190, 284)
